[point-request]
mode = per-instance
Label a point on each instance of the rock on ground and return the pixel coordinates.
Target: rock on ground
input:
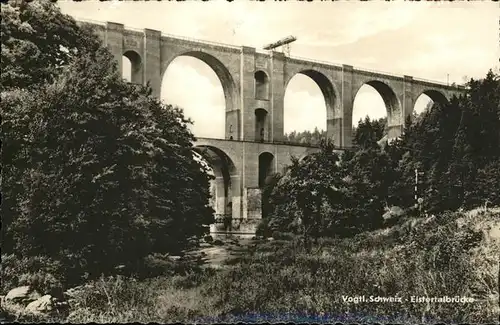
(21, 295)
(43, 304)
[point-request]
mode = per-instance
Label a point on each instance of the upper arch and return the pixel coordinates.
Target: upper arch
(391, 101)
(436, 96)
(261, 80)
(327, 87)
(133, 56)
(222, 72)
(136, 70)
(266, 153)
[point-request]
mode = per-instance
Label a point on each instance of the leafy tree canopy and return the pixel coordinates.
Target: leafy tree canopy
(97, 172)
(37, 41)
(454, 147)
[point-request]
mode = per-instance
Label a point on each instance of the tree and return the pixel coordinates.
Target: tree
(269, 186)
(456, 145)
(451, 144)
(370, 175)
(487, 184)
(37, 41)
(306, 137)
(302, 193)
(98, 164)
(461, 167)
(368, 132)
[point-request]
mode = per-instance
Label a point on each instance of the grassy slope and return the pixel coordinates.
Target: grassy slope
(453, 254)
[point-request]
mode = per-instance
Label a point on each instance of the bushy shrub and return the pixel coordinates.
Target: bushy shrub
(283, 235)
(42, 273)
(158, 264)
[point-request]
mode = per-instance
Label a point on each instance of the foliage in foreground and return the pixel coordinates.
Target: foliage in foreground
(97, 172)
(404, 261)
(37, 41)
(279, 281)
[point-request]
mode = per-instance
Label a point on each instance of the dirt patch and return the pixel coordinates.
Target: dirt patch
(215, 256)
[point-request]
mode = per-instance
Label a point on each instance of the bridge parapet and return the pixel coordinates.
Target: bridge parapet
(377, 74)
(326, 64)
(275, 142)
(441, 84)
(201, 43)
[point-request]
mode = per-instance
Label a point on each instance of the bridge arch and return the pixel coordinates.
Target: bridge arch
(306, 156)
(426, 99)
(227, 81)
(329, 91)
(222, 187)
(393, 107)
(225, 77)
(436, 96)
(218, 157)
(132, 66)
(266, 167)
(261, 85)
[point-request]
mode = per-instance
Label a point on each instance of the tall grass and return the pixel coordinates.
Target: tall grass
(449, 255)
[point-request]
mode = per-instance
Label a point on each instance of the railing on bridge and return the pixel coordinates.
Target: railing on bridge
(202, 41)
(90, 21)
(300, 144)
(378, 72)
(316, 61)
(454, 85)
(190, 39)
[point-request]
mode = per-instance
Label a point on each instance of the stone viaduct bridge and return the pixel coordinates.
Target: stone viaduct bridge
(254, 84)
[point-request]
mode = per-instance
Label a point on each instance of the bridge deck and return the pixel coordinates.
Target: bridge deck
(276, 143)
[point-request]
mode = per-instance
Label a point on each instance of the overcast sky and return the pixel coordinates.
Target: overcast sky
(421, 39)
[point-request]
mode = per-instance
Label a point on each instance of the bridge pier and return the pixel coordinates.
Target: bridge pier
(394, 131)
(334, 130)
(221, 196)
(236, 197)
(244, 207)
(348, 94)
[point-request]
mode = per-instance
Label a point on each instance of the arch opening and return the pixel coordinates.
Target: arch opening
(203, 87)
(266, 168)
(422, 104)
(222, 187)
(427, 100)
(306, 157)
(261, 133)
(132, 67)
(377, 101)
(261, 85)
(311, 108)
